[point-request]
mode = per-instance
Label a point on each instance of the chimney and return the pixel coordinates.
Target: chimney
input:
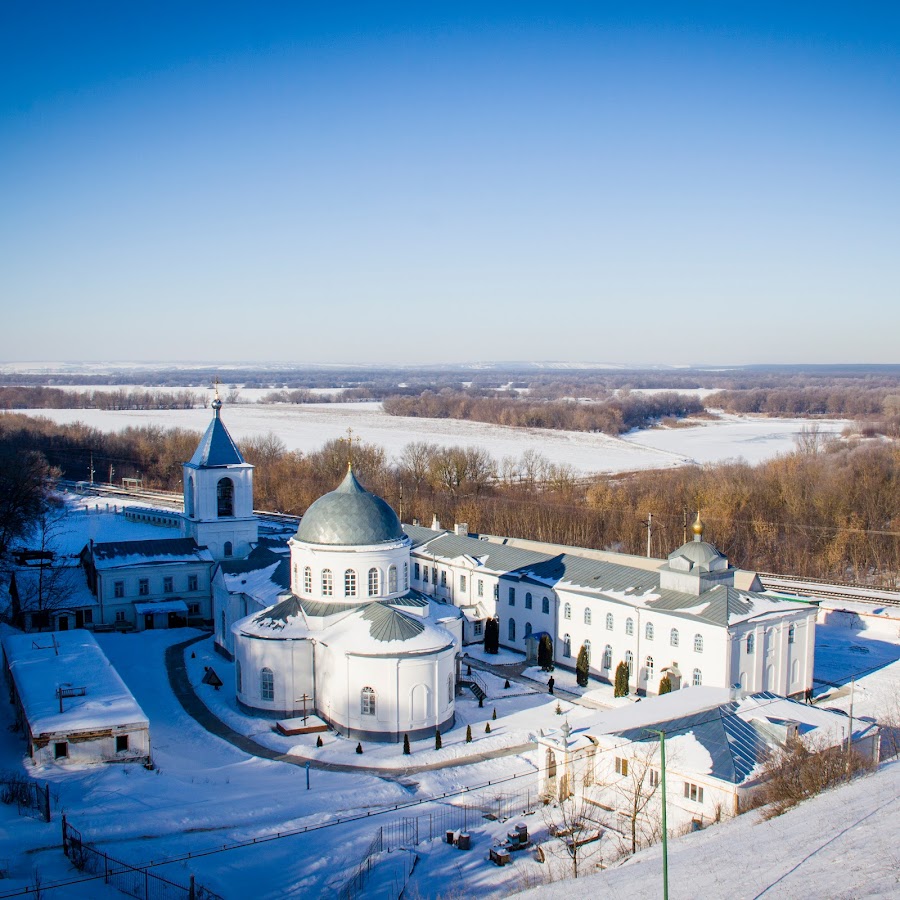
(435, 524)
(461, 528)
(736, 692)
(415, 521)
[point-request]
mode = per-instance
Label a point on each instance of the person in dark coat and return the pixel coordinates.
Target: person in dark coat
(550, 684)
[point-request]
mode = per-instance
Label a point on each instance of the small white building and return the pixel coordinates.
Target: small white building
(351, 640)
(71, 702)
(716, 742)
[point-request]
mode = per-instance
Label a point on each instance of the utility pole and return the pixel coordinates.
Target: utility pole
(850, 731)
(649, 532)
(662, 787)
(684, 526)
(92, 467)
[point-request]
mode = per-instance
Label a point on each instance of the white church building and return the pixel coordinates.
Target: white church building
(350, 640)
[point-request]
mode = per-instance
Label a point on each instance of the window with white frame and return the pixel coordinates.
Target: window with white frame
(443, 578)
(193, 582)
(478, 628)
(648, 664)
(751, 643)
(168, 584)
(327, 583)
(512, 596)
(118, 589)
(416, 573)
(629, 626)
(405, 576)
(607, 657)
(545, 605)
(673, 637)
(693, 792)
(528, 600)
(698, 643)
(791, 634)
(267, 685)
(648, 631)
(587, 615)
(392, 579)
(367, 701)
(480, 587)
(373, 582)
(697, 680)
(143, 586)
(462, 584)
(497, 591)
(629, 661)
(350, 583)
(307, 580)
(567, 611)
(587, 650)
(609, 622)
(653, 778)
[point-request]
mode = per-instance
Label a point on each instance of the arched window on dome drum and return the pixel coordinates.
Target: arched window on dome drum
(307, 580)
(392, 580)
(373, 582)
(189, 497)
(267, 685)
(327, 583)
(367, 701)
(648, 631)
(349, 583)
(607, 657)
(673, 637)
(225, 497)
(405, 576)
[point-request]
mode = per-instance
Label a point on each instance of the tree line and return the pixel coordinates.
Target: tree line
(18, 397)
(830, 510)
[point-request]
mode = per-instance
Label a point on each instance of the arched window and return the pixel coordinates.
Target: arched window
(587, 650)
(450, 689)
(607, 657)
(673, 637)
(567, 646)
(648, 631)
(189, 497)
(648, 663)
(405, 576)
(307, 580)
(545, 605)
(327, 583)
(609, 621)
(587, 615)
(528, 629)
(225, 497)
(512, 629)
(350, 583)
(238, 680)
(698, 678)
(392, 580)
(629, 661)
(373, 582)
(743, 681)
(751, 643)
(698, 643)
(791, 634)
(795, 671)
(367, 701)
(567, 611)
(267, 685)
(528, 600)
(629, 626)
(228, 549)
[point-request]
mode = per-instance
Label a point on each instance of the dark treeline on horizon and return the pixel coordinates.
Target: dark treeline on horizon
(829, 510)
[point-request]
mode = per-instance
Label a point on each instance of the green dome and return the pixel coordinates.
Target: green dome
(349, 516)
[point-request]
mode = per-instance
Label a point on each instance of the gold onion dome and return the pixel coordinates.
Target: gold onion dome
(697, 527)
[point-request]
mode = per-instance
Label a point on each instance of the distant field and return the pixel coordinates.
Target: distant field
(307, 427)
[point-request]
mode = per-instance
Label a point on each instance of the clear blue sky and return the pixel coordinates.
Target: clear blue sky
(615, 182)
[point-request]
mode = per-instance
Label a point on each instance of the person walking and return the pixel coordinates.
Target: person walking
(550, 684)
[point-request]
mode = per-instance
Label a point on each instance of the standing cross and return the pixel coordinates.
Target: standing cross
(349, 439)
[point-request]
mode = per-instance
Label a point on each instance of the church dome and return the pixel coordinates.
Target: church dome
(702, 556)
(349, 516)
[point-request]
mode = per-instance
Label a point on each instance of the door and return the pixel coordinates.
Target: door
(79, 618)
(148, 620)
(62, 623)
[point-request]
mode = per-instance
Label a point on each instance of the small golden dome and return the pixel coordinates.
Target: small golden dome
(697, 527)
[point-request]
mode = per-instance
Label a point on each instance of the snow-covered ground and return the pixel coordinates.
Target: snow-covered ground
(306, 427)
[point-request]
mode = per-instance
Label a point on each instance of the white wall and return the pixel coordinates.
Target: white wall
(97, 750)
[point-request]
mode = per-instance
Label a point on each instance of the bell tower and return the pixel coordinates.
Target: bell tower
(218, 493)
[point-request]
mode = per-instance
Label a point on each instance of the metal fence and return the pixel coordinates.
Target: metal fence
(354, 885)
(30, 797)
(136, 881)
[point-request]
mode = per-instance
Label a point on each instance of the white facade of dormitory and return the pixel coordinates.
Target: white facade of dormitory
(71, 702)
(692, 616)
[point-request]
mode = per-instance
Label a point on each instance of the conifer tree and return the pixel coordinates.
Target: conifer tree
(582, 666)
(487, 727)
(545, 653)
(468, 734)
(492, 636)
(506, 685)
(494, 716)
(665, 685)
(359, 748)
(406, 750)
(621, 682)
(319, 742)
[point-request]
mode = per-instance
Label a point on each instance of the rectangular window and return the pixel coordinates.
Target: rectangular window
(88, 617)
(443, 578)
(121, 742)
(512, 596)
(60, 750)
(193, 609)
(480, 587)
(416, 572)
(118, 589)
(40, 619)
(192, 582)
(120, 615)
(462, 583)
(479, 629)
(168, 584)
(693, 792)
(653, 778)
(528, 601)
(144, 586)
(433, 575)
(496, 591)
(621, 766)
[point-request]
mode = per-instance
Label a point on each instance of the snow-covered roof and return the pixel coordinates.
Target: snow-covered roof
(161, 606)
(120, 554)
(263, 575)
(64, 586)
(41, 663)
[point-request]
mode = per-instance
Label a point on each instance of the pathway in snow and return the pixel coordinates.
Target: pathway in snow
(197, 709)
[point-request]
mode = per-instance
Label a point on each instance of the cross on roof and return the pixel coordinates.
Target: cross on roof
(349, 440)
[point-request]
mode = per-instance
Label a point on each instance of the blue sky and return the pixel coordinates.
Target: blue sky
(626, 183)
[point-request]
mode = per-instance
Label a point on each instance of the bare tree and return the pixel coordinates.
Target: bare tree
(636, 791)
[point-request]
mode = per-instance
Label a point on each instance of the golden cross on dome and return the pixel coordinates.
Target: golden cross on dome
(349, 439)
